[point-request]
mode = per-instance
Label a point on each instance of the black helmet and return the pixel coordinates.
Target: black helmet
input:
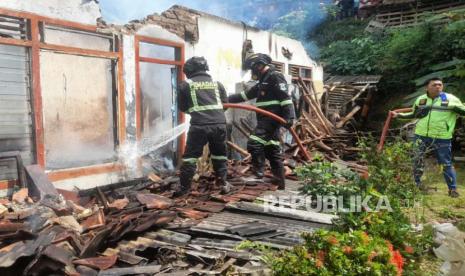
(255, 59)
(194, 65)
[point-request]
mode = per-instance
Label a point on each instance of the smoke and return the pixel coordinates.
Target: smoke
(292, 18)
(68, 149)
(299, 23)
(130, 152)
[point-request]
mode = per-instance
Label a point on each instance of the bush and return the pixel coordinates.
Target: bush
(332, 253)
(360, 243)
(338, 30)
(399, 55)
(326, 179)
(391, 171)
(354, 57)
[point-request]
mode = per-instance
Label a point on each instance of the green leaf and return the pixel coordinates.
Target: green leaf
(448, 64)
(414, 95)
(440, 74)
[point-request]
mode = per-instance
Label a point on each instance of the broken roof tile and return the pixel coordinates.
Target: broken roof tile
(139, 270)
(22, 249)
(3, 209)
(69, 195)
(20, 196)
(102, 263)
(68, 222)
(58, 254)
(209, 206)
(158, 218)
(4, 201)
(20, 214)
(119, 204)
(8, 226)
(94, 221)
(153, 201)
(191, 213)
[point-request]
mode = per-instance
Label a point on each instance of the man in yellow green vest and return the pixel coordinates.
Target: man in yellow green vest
(436, 112)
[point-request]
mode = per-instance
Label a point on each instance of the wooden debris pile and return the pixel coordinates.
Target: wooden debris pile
(136, 228)
(324, 133)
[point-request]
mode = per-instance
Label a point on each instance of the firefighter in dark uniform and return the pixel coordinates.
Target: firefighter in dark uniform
(203, 99)
(271, 94)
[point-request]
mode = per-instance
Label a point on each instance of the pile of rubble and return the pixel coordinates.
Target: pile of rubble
(320, 133)
(140, 229)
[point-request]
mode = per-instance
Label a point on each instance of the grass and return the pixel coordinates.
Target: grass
(438, 206)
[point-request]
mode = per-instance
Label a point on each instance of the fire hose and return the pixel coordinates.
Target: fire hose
(387, 124)
(277, 119)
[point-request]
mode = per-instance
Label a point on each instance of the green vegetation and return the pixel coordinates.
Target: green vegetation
(361, 243)
(334, 253)
(406, 57)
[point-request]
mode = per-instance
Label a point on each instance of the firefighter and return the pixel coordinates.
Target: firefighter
(271, 95)
(436, 112)
(203, 99)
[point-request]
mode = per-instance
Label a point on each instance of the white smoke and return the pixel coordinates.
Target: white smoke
(130, 152)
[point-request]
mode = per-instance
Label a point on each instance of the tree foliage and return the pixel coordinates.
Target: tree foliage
(403, 56)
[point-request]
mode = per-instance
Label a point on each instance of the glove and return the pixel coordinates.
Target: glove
(422, 112)
(289, 123)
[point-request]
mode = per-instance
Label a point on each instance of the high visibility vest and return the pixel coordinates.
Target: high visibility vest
(207, 91)
(440, 121)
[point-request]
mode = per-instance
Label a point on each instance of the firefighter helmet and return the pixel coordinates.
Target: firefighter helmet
(194, 65)
(256, 59)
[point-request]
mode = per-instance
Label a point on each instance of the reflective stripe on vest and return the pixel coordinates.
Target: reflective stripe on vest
(275, 102)
(244, 96)
(263, 142)
(219, 157)
(268, 103)
(207, 85)
(190, 160)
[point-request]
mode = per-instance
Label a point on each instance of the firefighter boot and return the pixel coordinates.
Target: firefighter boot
(225, 186)
(186, 175)
(280, 178)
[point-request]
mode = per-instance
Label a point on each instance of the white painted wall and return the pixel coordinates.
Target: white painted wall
(220, 42)
(90, 181)
(85, 12)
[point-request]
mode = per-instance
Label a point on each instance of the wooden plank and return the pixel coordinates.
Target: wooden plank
(240, 150)
(359, 93)
(283, 212)
(159, 61)
(39, 185)
(78, 51)
(121, 96)
(78, 172)
(348, 117)
(138, 96)
(37, 94)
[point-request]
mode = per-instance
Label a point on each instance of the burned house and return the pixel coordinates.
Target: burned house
(79, 96)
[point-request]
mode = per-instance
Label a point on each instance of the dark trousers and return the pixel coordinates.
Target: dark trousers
(264, 143)
(197, 137)
(442, 148)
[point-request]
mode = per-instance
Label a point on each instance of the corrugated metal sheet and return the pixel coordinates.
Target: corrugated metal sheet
(363, 79)
(15, 108)
(290, 229)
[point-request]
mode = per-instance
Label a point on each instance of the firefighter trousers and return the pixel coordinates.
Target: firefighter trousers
(197, 137)
(264, 143)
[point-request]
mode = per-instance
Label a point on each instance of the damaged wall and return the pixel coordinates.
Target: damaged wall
(85, 83)
(82, 11)
(74, 138)
(220, 42)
